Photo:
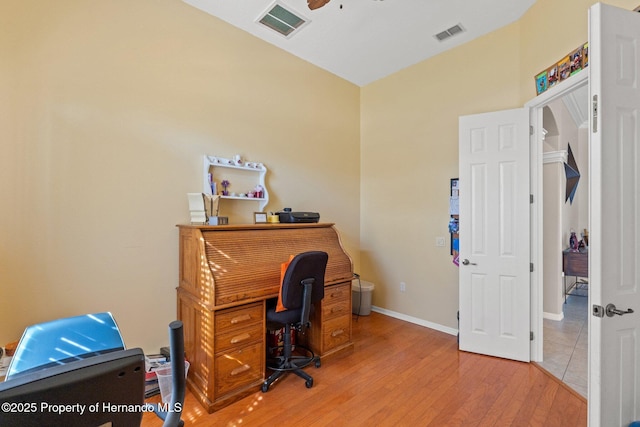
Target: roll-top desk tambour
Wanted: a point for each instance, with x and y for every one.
(226, 275)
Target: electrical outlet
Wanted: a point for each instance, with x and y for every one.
(440, 241)
(403, 287)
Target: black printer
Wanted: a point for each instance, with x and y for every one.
(287, 216)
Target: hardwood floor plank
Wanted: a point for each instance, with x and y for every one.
(478, 404)
(402, 374)
(541, 395)
(401, 406)
(471, 378)
(563, 408)
(540, 416)
(581, 419)
(514, 379)
(519, 397)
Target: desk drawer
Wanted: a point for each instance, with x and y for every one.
(336, 301)
(238, 368)
(238, 337)
(232, 319)
(337, 293)
(336, 332)
(340, 308)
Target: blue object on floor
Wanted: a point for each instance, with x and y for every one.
(64, 340)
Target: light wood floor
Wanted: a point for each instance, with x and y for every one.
(402, 374)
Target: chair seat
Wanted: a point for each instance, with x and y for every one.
(288, 316)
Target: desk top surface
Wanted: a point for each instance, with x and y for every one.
(269, 226)
(583, 251)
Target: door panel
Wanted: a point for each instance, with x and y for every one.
(494, 234)
(478, 217)
(614, 362)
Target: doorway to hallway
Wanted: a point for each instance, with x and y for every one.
(566, 344)
(565, 317)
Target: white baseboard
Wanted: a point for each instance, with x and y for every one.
(553, 316)
(411, 319)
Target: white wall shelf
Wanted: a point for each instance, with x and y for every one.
(244, 176)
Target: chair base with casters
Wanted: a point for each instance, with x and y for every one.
(289, 362)
(302, 286)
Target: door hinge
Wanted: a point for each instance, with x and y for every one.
(598, 310)
(531, 336)
(531, 198)
(530, 267)
(530, 130)
(595, 113)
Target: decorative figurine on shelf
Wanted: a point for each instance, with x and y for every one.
(225, 184)
(585, 237)
(213, 185)
(259, 191)
(573, 241)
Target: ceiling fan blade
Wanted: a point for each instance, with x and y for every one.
(316, 4)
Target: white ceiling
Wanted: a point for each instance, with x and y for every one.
(365, 40)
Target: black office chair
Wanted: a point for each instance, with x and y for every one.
(302, 286)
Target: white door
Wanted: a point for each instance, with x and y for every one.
(494, 234)
(614, 253)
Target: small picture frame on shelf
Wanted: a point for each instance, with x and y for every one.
(576, 61)
(541, 82)
(259, 217)
(564, 68)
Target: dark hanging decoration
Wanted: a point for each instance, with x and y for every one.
(573, 176)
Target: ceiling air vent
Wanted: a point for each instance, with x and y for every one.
(282, 19)
(449, 32)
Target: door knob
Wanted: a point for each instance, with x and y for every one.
(611, 310)
(467, 262)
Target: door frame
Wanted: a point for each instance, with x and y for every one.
(536, 136)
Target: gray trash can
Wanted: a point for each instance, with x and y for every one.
(361, 292)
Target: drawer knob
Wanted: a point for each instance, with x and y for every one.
(240, 370)
(240, 338)
(242, 318)
(337, 332)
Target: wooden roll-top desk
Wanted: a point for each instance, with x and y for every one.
(226, 275)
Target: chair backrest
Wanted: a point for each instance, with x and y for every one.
(307, 265)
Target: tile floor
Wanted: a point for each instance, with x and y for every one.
(565, 342)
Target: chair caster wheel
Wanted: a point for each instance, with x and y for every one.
(318, 363)
(309, 383)
(265, 387)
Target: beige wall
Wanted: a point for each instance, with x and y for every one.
(409, 153)
(553, 239)
(409, 149)
(107, 109)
